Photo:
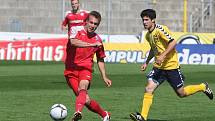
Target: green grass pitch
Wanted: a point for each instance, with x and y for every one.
(29, 89)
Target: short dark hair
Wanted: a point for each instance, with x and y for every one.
(95, 14)
(149, 13)
(73, 0)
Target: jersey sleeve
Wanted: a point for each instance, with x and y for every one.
(65, 21)
(100, 53)
(165, 34)
(85, 11)
(85, 14)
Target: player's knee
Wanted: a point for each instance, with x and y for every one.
(149, 89)
(83, 84)
(87, 100)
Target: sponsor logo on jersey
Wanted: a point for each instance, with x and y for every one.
(76, 21)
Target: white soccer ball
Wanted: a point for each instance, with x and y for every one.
(58, 112)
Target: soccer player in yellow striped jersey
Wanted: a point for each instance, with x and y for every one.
(165, 66)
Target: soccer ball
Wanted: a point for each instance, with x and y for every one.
(58, 112)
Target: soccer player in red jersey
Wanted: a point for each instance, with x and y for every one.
(74, 19)
(78, 66)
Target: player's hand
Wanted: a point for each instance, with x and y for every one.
(108, 82)
(160, 59)
(143, 67)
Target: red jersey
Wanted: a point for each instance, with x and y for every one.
(75, 22)
(83, 56)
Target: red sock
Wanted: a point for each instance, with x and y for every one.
(80, 100)
(95, 107)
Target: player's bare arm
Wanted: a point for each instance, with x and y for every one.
(144, 66)
(80, 43)
(163, 55)
(101, 65)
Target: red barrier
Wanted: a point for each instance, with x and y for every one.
(36, 50)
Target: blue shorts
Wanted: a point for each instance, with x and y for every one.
(174, 77)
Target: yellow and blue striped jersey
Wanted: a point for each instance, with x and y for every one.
(158, 40)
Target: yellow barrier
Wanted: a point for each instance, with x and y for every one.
(126, 53)
(188, 38)
(203, 38)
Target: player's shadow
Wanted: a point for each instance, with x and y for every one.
(156, 120)
(147, 120)
(57, 82)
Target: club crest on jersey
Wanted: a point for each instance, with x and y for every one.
(96, 38)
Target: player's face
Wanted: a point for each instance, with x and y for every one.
(147, 22)
(75, 5)
(92, 24)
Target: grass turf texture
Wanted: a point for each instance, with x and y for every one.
(29, 89)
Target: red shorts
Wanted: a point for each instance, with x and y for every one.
(75, 75)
